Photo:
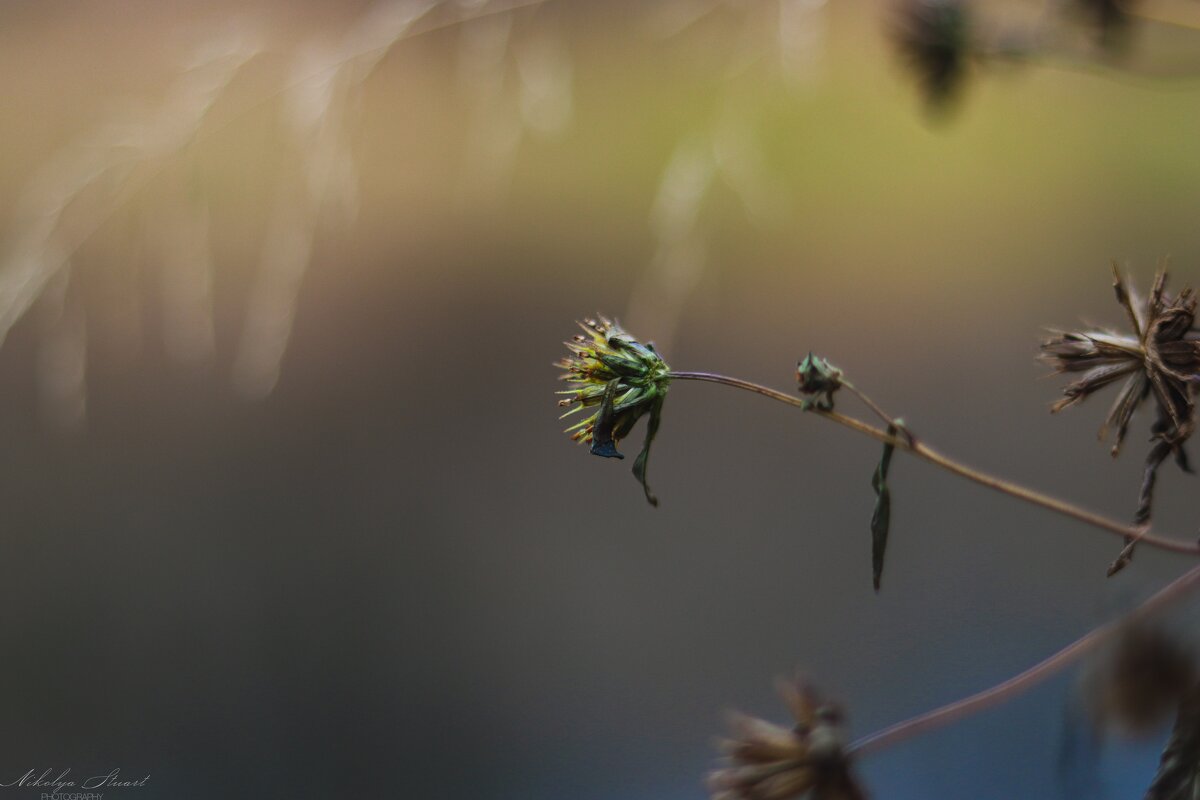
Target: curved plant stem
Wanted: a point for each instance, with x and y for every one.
(1001, 692)
(960, 709)
(921, 450)
(887, 418)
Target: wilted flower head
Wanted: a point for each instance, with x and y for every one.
(770, 762)
(934, 37)
(623, 380)
(1156, 357)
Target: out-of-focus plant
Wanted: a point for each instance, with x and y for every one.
(942, 43)
(624, 380)
(765, 761)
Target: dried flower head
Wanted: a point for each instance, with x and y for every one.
(1158, 358)
(934, 38)
(771, 762)
(623, 380)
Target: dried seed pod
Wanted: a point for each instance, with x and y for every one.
(770, 762)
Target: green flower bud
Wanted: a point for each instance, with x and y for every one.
(818, 380)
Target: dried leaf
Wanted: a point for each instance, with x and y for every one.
(639, 463)
(603, 443)
(882, 517)
(1178, 776)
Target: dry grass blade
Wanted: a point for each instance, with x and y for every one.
(74, 194)
(325, 87)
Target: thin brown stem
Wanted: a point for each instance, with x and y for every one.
(960, 709)
(887, 418)
(921, 450)
(1070, 654)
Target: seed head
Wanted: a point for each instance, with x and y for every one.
(1156, 358)
(622, 379)
(770, 762)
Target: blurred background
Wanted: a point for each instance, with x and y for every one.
(288, 511)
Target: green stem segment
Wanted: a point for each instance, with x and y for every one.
(918, 448)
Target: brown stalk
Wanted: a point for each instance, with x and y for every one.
(960, 709)
(918, 448)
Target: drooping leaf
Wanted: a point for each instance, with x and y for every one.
(602, 437)
(882, 516)
(1178, 776)
(639, 463)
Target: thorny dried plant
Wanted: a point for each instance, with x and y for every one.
(766, 761)
(624, 379)
(1157, 358)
